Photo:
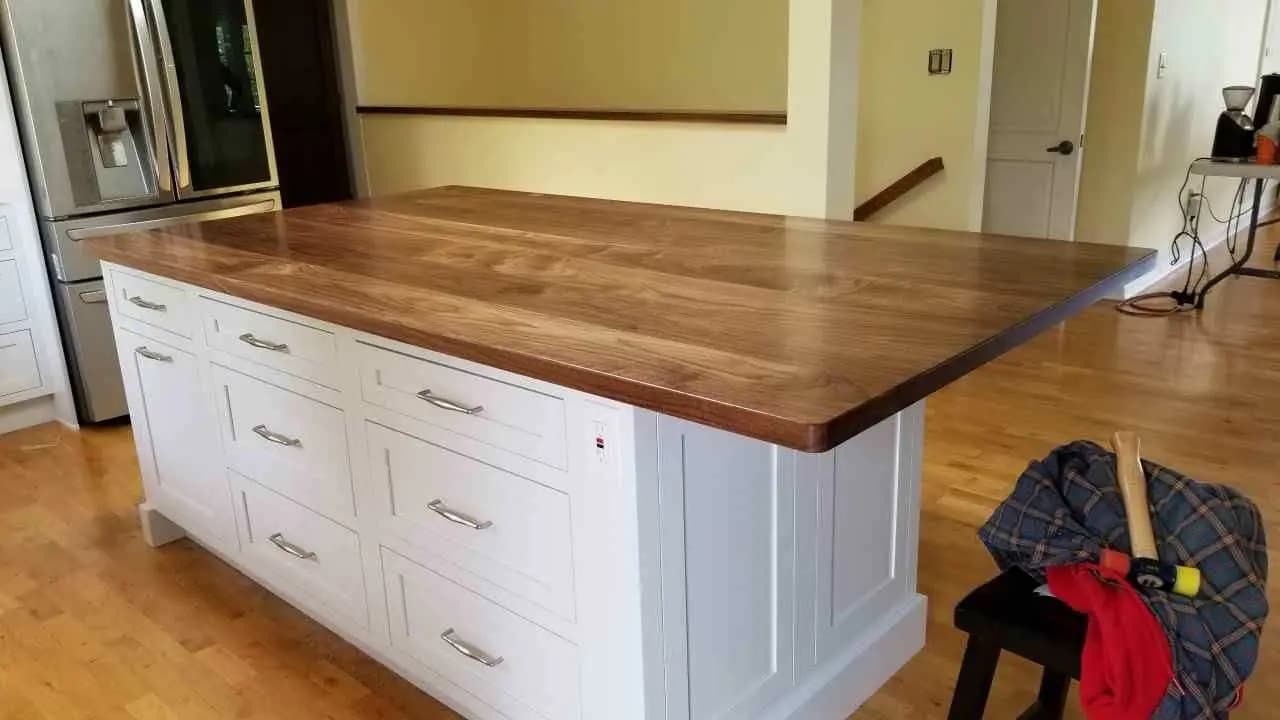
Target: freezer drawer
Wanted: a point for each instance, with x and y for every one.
(90, 349)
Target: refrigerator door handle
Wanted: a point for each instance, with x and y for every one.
(144, 45)
(177, 121)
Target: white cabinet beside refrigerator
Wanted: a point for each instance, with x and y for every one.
(33, 384)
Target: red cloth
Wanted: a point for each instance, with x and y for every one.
(1126, 666)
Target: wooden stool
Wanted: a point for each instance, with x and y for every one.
(1006, 614)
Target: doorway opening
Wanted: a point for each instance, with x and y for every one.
(1039, 91)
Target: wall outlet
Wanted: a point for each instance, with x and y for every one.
(1193, 203)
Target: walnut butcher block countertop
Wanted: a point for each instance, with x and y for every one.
(797, 331)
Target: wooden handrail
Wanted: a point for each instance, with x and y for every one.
(686, 116)
(906, 184)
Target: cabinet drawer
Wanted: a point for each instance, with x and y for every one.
(152, 302)
(6, 241)
(310, 556)
(294, 348)
(287, 442)
(504, 528)
(518, 667)
(12, 306)
(18, 369)
(526, 422)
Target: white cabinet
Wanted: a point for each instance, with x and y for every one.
(728, 571)
(12, 307)
(521, 551)
(176, 436)
(18, 369)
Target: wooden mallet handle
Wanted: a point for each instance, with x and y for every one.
(1133, 488)
(1145, 569)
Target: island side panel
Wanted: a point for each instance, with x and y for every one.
(787, 580)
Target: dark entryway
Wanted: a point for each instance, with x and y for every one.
(300, 72)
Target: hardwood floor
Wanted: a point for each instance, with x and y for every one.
(95, 625)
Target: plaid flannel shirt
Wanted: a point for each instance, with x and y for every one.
(1066, 508)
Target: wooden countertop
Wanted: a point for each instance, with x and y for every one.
(797, 331)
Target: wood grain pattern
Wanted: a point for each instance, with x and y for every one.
(900, 187)
(94, 625)
(695, 116)
(797, 331)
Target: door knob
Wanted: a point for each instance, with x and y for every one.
(1066, 147)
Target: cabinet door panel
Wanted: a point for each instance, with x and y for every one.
(184, 444)
(728, 574)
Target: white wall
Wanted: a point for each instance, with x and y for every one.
(801, 169)
(907, 116)
(1210, 44)
(1142, 130)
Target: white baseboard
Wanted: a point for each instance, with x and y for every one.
(1162, 271)
(853, 676)
(27, 413)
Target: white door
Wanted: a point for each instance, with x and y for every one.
(1038, 90)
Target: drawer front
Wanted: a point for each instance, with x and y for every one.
(12, 306)
(309, 555)
(291, 347)
(18, 369)
(154, 303)
(504, 528)
(6, 240)
(287, 442)
(518, 667)
(526, 422)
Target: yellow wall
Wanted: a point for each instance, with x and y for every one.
(666, 54)
(1113, 125)
(907, 116)
(802, 168)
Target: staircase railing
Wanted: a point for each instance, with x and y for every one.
(902, 186)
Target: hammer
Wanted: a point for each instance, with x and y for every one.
(1144, 569)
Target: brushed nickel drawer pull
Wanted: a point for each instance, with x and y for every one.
(147, 304)
(466, 649)
(149, 354)
(275, 437)
(445, 404)
(249, 339)
(438, 507)
(294, 550)
(10, 345)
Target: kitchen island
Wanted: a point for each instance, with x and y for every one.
(554, 457)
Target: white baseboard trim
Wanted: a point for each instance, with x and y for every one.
(1163, 271)
(864, 667)
(27, 413)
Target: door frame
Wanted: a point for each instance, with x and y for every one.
(986, 85)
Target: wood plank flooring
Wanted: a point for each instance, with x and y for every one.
(96, 626)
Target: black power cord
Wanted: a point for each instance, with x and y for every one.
(1157, 304)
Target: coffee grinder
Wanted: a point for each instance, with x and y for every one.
(1233, 142)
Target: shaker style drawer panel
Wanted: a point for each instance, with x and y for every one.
(154, 303)
(526, 422)
(12, 306)
(524, 671)
(289, 443)
(291, 347)
(308, 555)
(18, 369)
(501, 527)
(6, 240)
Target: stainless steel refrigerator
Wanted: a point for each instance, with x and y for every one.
(134, 114)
